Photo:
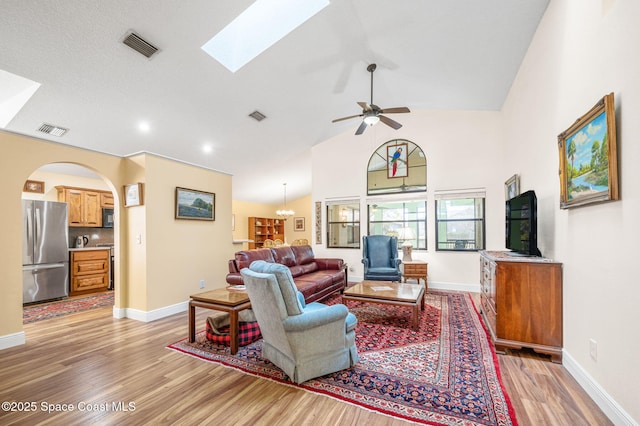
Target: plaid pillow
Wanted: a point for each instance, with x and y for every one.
(248, 332)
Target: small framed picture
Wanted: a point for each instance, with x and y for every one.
(298, 223)
(512, 187)
(133, 195)
(193, 204)
(34, 186)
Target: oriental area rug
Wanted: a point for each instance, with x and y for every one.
(446, 373)
(44, 311)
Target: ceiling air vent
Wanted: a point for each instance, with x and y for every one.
(50, 129)
(140, 45)
(257, 115)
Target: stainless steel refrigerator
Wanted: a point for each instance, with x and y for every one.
(45, 251)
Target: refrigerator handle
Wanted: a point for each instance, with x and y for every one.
(36, 232)
(29, 225)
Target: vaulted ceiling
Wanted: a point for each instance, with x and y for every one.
(431, 54)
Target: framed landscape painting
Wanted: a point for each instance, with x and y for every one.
(588, 157)
(197, 205)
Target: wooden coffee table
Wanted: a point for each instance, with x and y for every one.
(389, 293)
(220, 300)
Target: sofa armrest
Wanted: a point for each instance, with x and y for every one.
(329, 263)
(233, 266)
(235, 278)
(316, 318)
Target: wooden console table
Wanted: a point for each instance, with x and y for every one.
(415, 269)
(223, 300)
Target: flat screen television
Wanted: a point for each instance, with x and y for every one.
(522, 224)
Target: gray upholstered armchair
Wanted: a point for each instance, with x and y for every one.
(380, 258)
(305, 341)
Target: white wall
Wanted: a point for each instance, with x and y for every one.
(583, 50)
(463, 149)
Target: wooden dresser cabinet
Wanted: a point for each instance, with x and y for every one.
(521, 302)
(89, 271)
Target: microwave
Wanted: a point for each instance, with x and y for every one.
(107, 218)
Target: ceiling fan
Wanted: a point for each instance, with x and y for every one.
(372, 112)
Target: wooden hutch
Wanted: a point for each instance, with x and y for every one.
(263, 228)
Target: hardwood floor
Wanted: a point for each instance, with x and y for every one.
(114, 371)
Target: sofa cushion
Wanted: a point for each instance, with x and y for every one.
(246, 257)
(296, 271)
(303, 254)
(283, 255)
(309, 267)
(285, 281)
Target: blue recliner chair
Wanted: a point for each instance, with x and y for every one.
(380, 258)
(305, 341)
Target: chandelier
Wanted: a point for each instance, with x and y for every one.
(285, 213)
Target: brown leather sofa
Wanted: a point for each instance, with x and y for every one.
(315, 278)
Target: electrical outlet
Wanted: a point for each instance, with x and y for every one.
(201, 283)
(352, 269)
(593, 349)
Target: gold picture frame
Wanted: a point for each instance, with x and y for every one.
(195, 205)
(589, 157)
(34, 186)
(133, 195)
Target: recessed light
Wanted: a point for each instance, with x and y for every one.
(259, 27)
(207, 148)
(144, 127)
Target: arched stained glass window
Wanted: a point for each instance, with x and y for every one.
(397, 166)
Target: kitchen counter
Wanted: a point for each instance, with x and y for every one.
(89, 248)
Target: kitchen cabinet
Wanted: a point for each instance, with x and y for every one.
(85, 205)
(106, 200)
(90, 271)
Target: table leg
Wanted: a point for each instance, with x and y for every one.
(416, 317)
(192, 323)
(233, 330)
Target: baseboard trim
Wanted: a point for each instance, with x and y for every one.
(607, 404)
(10, 340)
(435, 285)
(471, 288)
(148, 316)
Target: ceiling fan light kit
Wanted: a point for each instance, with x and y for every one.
(372, 113)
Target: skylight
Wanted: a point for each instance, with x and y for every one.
(259, 27)
(15, 91)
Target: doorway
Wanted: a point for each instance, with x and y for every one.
(89, 237)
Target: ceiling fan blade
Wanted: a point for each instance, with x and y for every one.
(361, 129)
(365, 106)
(389, 122)
(394, 110)
(346, 118)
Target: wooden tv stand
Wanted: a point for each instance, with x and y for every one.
(521, 302)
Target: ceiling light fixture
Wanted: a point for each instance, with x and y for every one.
(371, 119)
(285, 213)
(259, 27)
(144, 127)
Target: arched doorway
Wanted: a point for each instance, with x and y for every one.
(89, 239)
